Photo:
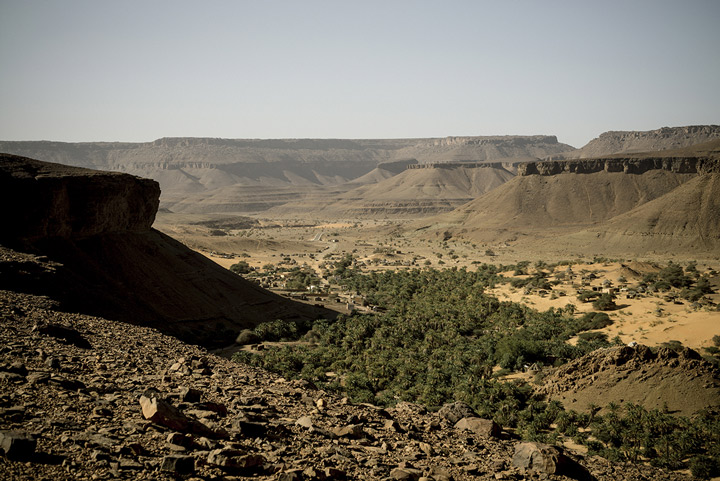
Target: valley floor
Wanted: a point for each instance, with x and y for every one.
(650, 319)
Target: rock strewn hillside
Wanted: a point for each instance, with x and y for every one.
(683, 382)
(84, 398)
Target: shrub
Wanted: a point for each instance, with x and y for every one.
(241, 267)
(586, 296)
(593, 320)
(593, 336)
(605, 302)
(247, 336)
(278, 330)
(704, 467)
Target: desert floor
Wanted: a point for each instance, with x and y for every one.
(650, 320)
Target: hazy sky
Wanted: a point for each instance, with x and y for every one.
(139, 70)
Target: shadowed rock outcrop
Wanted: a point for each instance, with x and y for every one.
(48, 200)
(94, 229)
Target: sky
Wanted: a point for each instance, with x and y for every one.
(135, 71)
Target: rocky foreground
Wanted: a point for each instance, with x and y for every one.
(86, 398)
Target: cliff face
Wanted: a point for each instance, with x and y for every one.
(680, 165)
(52, 200)
(103, 258)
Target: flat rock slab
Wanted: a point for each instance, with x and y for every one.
(480, 426)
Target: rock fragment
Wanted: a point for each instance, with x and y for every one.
(235, 459)
(454, 412)
(161, 412)
(17, 445)
(480, 426)
(352, 431)
(291, 475)
(305, 421)
(539, 457)
(405, 474)
(178, 464)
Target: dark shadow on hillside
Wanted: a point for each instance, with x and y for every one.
(574, 470)
(148, 278)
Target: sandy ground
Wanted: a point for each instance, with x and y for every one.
(638, 319)
(382, 245)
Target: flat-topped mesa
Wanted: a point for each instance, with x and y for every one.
(665, 138)
(457, 165)
(695, 133)
(514, 140)
(46, 200)
(680, 165)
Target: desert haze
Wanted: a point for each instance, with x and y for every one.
(470, 307)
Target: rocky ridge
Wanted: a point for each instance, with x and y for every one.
(682, 381)
(88, 398)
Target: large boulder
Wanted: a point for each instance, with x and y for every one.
(539, 457)
(454, 412)
(483, 427)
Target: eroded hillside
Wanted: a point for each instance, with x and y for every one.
(648, 202)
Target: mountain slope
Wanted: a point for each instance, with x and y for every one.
(542, 204)
(656, 202)
(93, 228)
(687, 218)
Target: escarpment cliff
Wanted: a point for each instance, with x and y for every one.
(45, 200)
(100, 256)
(627, 165)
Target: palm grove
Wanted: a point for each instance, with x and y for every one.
(436, 337)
